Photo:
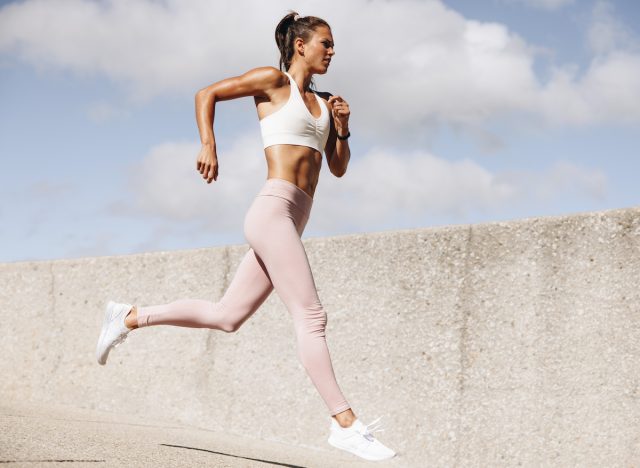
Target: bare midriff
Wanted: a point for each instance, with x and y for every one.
(300, 165)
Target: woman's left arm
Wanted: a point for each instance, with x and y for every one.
(338, 150)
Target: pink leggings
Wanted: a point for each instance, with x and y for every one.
(276, 259)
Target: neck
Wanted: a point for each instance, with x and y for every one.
(305, 78)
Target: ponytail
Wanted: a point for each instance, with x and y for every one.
(291, 26)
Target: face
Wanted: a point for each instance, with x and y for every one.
(318, 50)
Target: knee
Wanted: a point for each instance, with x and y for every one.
(314, 322)
(228, 317)
(229, 326)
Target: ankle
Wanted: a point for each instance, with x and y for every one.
(345, 418)
(131, 320)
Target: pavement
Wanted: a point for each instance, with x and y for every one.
(39, 434)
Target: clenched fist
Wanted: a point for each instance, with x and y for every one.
(207, 163)
(340, 112)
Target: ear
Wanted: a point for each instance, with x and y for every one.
(298, 44)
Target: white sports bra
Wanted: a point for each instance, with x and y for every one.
(293, 124)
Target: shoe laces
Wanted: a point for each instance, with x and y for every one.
(370, 428)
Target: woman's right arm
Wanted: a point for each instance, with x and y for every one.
(256, 82)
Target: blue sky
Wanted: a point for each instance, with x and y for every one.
(462, 112)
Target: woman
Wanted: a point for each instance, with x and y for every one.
(296, 125)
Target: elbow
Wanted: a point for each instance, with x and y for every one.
(337, 169)
(203, 95)
(198, 99)
(339, 173)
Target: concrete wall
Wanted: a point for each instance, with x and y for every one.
(499, 344)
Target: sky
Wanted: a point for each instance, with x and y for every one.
(462, 112)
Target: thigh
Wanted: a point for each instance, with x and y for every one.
(273, 229)
(248, 289)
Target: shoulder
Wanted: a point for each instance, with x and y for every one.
(271, 77)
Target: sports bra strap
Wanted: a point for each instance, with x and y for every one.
(292, 82)
(295, 85)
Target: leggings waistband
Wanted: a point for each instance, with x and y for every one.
(288, 190)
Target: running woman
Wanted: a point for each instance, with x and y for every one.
(297, 125)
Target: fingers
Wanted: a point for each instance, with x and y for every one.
(333, 99)
(209, 171)
(338, 103)
(213, 175)
(341, 109)
(203, 168)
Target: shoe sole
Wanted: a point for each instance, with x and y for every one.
(356, 452)
(105, 325)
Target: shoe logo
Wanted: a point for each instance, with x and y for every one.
(368, 436)
(115, 311)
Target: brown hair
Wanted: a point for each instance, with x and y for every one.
(289, 28)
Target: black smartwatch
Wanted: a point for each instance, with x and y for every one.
(343, 137)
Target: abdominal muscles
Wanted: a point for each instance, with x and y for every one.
(298, 164)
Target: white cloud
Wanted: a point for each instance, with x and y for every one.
(565, 177)
(555, 183)
(150, 47)
(432, 66)
(385, 187)
(382, 189)
(608, 33)
(166, 185)
(608, 92)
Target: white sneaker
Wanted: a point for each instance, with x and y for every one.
(114, 331)
(358, 439)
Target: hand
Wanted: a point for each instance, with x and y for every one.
(207, 163)
(340, 111)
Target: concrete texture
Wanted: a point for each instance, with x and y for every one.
(43, 435)
(499, 344)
